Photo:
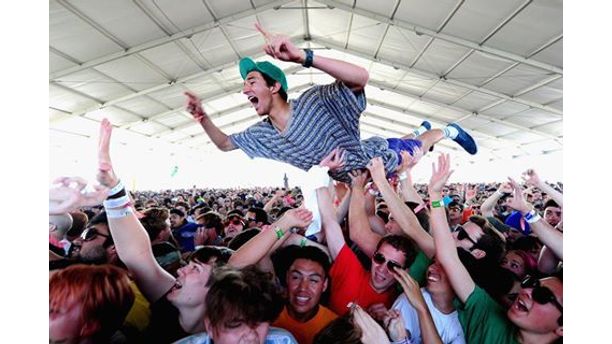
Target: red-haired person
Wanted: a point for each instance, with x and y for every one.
(88, 303)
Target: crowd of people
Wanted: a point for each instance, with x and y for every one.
(392, 262)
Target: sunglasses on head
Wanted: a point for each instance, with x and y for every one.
(462, 234)
(379, 258)
(91, 233)
(541, 294)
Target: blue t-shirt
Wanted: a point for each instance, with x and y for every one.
(323, 118)
(275, 336)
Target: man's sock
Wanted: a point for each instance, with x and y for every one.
(420, 130)
(450, 132)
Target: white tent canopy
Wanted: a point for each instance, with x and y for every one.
(494, 66)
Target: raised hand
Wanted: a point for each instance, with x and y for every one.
(409, 161)
(358, 178)
(106, 176)
(505, 188)
(377, 169)
(517, 201)
(411, 288)
(299, 217)
(70, 195)
(440, 176)
(194, 107)
(394, 323)
(530, 177)
(371, 332)
(334, 160)
(280, 46)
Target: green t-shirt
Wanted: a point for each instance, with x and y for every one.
(484, 321)
(418, 269)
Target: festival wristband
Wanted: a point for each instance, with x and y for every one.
(114, 203)
(437, 204)
(303, 242)
(116, 189)
(279, 232)
(532, 216)
(118, 213)
(308, 58)
(403, 176)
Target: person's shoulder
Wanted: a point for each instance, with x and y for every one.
(279, 336)
(198, 338)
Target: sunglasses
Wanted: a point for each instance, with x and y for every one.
(462, 234)
(91, 233)
(234, 221)
(541, 294)
(379, 258)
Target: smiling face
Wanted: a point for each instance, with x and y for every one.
(306, 281)
(258, 92)
(190, 288)
(380, 276)
(531, 316)
(437, 281)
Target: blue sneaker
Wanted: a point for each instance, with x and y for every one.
(464, 139)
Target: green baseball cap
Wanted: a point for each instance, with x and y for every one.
(247, 65)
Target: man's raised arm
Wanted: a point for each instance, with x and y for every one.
(280, 47)
(131, 240)
(194, 107)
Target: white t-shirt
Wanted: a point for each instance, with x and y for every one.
(448, 325)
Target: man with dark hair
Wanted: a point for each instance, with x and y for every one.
(96, 245)
(553, 214)
(182, 230)
(320, 121)
(256, 217)
(306, 280)
(211, 228)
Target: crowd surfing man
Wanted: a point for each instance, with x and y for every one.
(303, 131)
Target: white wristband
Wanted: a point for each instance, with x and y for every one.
(118, 213)
(116, 202)
(403, 176)
(116, 188)
(499, 192)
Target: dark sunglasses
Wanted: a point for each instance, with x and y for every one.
(91, 233)
(380, 259)
(541, 294)
(462, 234)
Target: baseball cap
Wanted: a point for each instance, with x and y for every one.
(247, 65)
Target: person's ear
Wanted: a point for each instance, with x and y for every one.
(478, 253)
(276, 87)
(559, 331)
(209, 328)
(325, 284)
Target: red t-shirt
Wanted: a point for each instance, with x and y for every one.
(350, 282)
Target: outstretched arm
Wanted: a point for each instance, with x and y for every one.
(549, 236)
(359, 226)
(531, 177)
(131, 239)
(446, 250)
(404, 171)
(194, 107)
(489, 204)
(403, 215)
(261, 244)
(280, 47)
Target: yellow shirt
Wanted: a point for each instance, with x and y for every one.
(139, 314)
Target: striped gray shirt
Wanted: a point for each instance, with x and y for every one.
(323, 118)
